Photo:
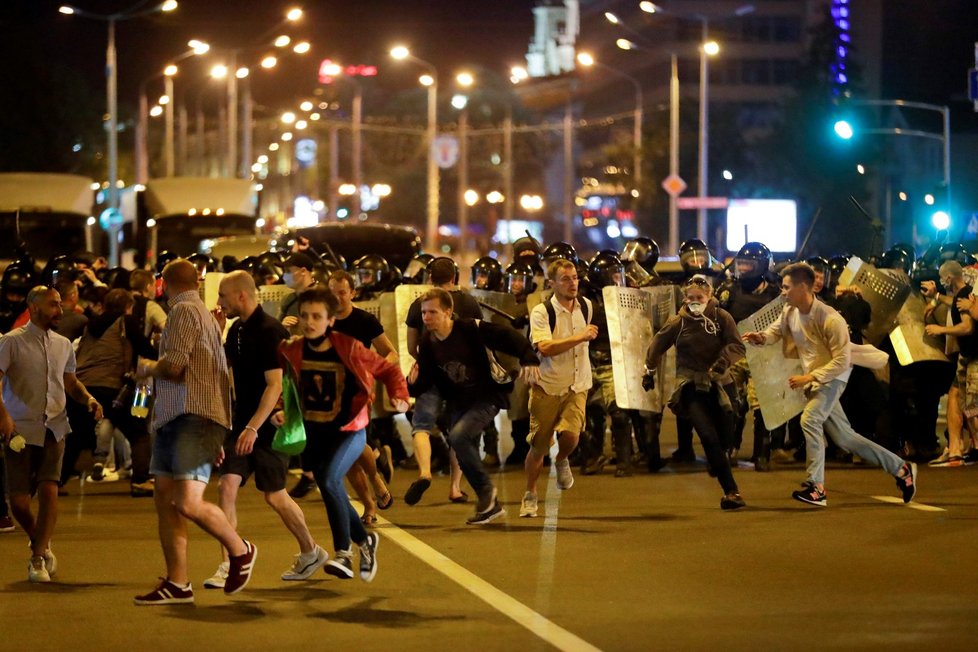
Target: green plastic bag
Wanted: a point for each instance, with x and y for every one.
(290, 437)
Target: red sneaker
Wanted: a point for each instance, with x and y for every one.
(166, 593)
(239, 572)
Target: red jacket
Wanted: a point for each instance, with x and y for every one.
(362, 362)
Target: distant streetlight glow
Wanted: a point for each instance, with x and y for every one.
(199, 47)
(263, 159)
(288, 117)
(306, 106)
(531, 202)
(612, 18)
(648, 7)
(347, 189)
(169, 5)
(426, 80)
(465, 79)
(471, 197)
(66, 10)
(728, 175)
(712, 48)
(400, 52)
(164, 100)
(282, 41)
(903, 196)
(220, 71)
(585, 59)
(170, 70)
(625, 44)
(287, 136)
(843, 129)
(495, 197)
(860, 168)
(156, 111)
(929, 199)
(301, 124)
(941, 220)
(302, 47)
(241, 73)
(273, 147)
(294, 14)
(269, 62)
(459, 101)
(314, 116)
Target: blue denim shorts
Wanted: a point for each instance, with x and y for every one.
(426, 409)
(186, 447)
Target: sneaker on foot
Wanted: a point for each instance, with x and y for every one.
(302, 487)
(37, 570)
(50, 561)
(239, 569)
(98, 472)
(6, 524)
(368, 557)
(220, 576)
(529, 506)
(306, 564)
(732, 501)
(416, 490)
(494, 511)
(166, 593)
(565, 478)
(908, 483)
(811, 495)
(341, 565)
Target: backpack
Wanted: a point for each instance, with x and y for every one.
(552, 313)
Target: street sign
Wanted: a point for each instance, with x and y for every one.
(445, 151)
(674, 185)
(702, 202)
(110, 217)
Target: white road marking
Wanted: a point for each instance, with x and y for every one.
(899, 501)
(502, 602)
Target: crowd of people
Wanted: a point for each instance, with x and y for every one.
(220, 384)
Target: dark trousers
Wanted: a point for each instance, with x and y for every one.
(713, 425)
(467, 426)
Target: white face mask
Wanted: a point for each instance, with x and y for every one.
(696, 308)
(288, 279)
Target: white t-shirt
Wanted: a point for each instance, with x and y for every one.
(813, 352)
(567, 371)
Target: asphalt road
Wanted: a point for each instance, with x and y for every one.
(639, 563)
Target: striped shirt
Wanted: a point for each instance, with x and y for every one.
(27, 355)
(192, 340)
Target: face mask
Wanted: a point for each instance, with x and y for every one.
(288, 278)
(696, 308)
(316, 341)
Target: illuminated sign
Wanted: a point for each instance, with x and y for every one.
(771, 221)
(330, 70)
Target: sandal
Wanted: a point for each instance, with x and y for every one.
(462, 498)
(369, 520)
(385, 501)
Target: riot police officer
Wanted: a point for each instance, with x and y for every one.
(487, 274)
(640, 256)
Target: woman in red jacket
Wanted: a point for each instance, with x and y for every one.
(335, 375)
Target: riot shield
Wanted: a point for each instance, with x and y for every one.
(493, 303)
(209, 289)
(271, 297)
(404, 296)
(910, 343)
(770, 370)
(884, 292)
(665, 304)
(630, 314)
(376, 307)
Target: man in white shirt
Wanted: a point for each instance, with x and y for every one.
(557, 401)
(816, 333)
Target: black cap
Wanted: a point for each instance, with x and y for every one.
(300, 259)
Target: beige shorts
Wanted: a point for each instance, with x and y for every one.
(966, 380)
(550, 414)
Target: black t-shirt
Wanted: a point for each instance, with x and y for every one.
(252, 349)
(459, 362)
(466, 307)
(360, 325)
(328, 388)
(967, 343)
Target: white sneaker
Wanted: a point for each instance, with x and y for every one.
(220, 576)
(528, 508)
(37, 571)
(565, 479)
(107, 476)
(306, 564)
(50, 561)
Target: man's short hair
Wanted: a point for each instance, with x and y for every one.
(557, 265)
(442, 271)
(241, 281)
(320, 294)
(181, 274)
(443, 298)
(37, 293)
(951, 268)
(140, 278)
(800, 273)
(117, 301)
(299, 259)
(340, 275)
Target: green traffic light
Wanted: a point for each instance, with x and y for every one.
(843, 129)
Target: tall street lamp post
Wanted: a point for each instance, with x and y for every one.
(112, 118)
(431, 81)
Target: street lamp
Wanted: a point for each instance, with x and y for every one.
(587, 60)
(401, 53)
(112, 98)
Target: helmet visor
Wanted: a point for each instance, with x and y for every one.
(695, 259)
(636, 275)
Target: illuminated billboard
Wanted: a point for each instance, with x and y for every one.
(771, 221)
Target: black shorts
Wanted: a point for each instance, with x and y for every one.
(270, 467)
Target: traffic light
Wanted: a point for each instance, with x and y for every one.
(843, 129)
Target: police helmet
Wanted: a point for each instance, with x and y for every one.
(163, 259)
(520, 278)
(753, 261)
(414, 272)
(370, 271)
(17, 279)
(897, 257)
(641, 250)
(56, 269)
(556, 251)
(606, 269)
(695, 256)
(487, 274)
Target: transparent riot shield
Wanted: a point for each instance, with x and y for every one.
(631, 315)
(404, 296)
(910, 343)
(271, 297)
(770, 370)
(376, 307)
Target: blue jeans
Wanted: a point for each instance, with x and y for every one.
(185, 448)
(329, 457)
(426, 408)
(464, 435)
(823, 413)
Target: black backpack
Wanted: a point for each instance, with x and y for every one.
(552, 313)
